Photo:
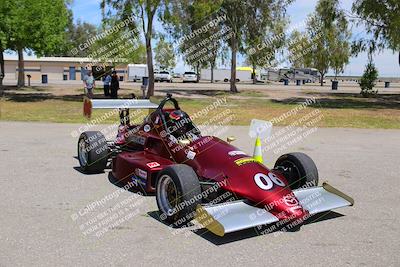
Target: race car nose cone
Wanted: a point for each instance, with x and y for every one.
(289, 209)
(292, 217)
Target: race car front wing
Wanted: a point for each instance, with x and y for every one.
(238, 215)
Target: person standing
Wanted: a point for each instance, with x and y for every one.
(114, 85)
(107, 81)
(89, 83)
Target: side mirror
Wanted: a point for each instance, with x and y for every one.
(184, 142)
(230, 139)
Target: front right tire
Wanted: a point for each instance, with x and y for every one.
(298, 169)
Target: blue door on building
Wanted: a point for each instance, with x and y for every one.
(83, 73)
(72, 73)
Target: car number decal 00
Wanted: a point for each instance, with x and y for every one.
(266, 182)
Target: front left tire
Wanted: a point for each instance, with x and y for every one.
(178, 193)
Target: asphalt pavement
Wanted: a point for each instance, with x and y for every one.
(53, 215)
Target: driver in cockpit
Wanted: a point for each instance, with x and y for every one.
(180, 126)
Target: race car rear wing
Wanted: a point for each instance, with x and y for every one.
(123, 104)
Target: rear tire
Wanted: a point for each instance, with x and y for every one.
(298, 169)
(93, 152)
(178, 193)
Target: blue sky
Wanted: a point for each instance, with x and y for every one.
(386, 62)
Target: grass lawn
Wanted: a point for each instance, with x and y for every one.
(343, 112)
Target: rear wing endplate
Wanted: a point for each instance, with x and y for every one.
(89, 104)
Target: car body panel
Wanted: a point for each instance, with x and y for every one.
(130, 166)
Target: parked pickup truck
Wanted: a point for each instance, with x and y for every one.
(162, 76)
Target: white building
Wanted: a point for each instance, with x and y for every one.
(58, 69)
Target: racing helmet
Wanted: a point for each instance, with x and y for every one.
(179, 123)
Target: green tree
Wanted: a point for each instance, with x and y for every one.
(381, 19)
(264, 33)
(320, 55)
(340, 48)
(5, 30)
(205, 12)
(117, 46)
(38, 26)
(299, 47)
(327, 27)
(144, 11)
(245, 16)
(368, 80)
(235, 11)
(184, 20)
(164, 54)
(76, 35)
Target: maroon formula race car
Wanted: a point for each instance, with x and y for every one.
(203, 177)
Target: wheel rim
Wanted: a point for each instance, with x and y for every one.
(83, 153)
(167, 195)
(293, 172)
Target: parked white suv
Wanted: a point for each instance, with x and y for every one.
(190, 76)
(162, 76)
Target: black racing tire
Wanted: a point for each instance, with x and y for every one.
(93, 152)
(298, 169)
(178, 193)
(226, 80)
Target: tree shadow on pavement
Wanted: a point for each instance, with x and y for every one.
(38, 97)
(202, 92)
(347, 100)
